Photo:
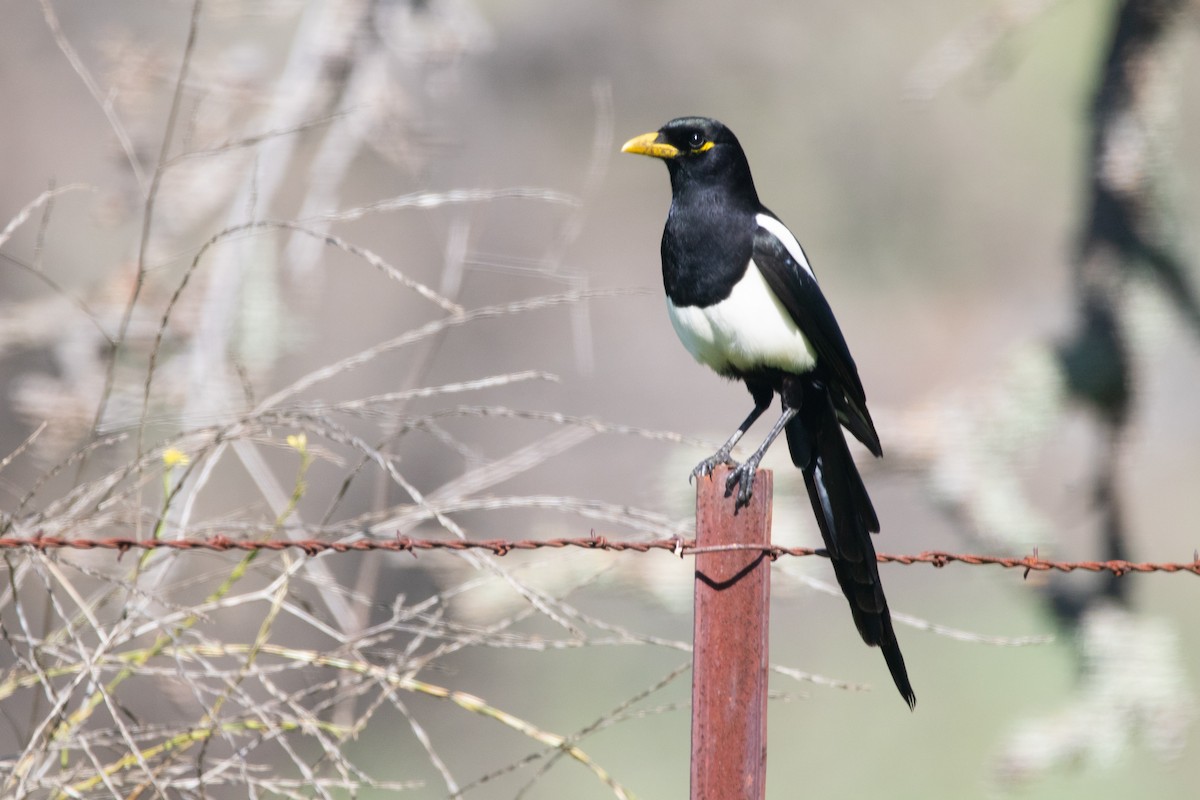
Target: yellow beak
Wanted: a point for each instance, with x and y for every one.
(648, 145)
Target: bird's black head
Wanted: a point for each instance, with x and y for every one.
(700, 153)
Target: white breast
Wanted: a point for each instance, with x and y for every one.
(750, 329)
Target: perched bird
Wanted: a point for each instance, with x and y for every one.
(744, 300)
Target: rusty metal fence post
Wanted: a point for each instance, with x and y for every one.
(729, 662)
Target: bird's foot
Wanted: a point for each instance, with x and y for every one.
(706, 467)
(742, 477)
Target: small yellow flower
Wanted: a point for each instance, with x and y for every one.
(298, 442)
(174, 458)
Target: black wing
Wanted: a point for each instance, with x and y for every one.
(797, 289)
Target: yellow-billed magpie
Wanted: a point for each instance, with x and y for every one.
(744, 300)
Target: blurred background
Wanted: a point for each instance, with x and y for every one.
(225, 224)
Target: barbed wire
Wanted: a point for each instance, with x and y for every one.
(500, 547)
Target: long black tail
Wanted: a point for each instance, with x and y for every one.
(847, 519)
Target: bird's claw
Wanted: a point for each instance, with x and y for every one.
(706, 467)
(741, 477)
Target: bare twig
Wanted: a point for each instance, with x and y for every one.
(85, 75)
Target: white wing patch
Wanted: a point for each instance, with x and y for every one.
(749, 329)
(780, 232)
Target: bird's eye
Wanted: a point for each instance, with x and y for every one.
(696, 140)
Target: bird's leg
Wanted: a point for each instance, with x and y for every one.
(722, 456)
(742, 475)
